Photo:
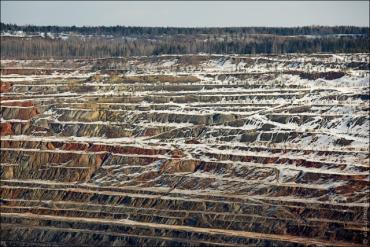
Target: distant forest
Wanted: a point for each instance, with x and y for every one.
(120, 41)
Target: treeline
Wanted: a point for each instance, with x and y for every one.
(95, 42)
(76, 47)
(158, 31)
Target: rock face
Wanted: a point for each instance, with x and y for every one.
(224, 152)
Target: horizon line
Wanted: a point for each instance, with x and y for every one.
(194, 27)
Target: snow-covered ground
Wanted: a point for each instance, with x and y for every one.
(249, 111)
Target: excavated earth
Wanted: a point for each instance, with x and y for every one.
(199, 150)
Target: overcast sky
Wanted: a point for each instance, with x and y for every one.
(187, 14)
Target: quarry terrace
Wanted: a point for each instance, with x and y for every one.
(186, 150)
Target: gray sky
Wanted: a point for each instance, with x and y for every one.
(187, 14)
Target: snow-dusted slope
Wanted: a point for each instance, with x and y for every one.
(186, 151)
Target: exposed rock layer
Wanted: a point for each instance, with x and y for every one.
(266, 151)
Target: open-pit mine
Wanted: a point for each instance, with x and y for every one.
(186, 150)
